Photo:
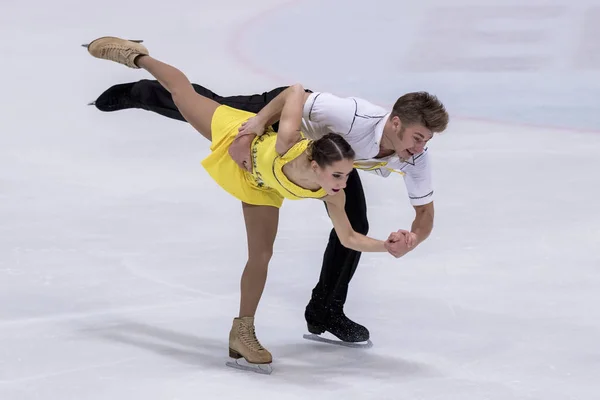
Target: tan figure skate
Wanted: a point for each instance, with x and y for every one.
(243, 344)
(118, 50)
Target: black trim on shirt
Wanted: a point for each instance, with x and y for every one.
(370, 116)
(356, 114)
(312, 105)
(421, 197)
(353, 118)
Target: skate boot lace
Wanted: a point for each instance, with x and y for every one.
(248, 337)
(115, 52)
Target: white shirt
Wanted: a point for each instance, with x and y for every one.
(361, 124)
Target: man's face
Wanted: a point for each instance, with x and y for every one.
(412, 140)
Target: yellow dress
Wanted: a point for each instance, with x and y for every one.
(266, 185)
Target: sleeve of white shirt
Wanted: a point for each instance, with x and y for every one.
(417, 179)
(328, 110)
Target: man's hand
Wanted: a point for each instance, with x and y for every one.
(253, 126)
(401, 242)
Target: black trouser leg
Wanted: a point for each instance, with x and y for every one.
(339, 262)
(152, 96)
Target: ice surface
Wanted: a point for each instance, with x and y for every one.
(120, 259)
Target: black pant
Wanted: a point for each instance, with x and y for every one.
(152, 96)
(339, 263)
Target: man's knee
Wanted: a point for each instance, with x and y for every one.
(362, 227)
(360, 223)
(356, 206)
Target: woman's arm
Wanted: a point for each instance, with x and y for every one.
(291, 119)
(348, 236)
(398, 243)
(271, 113)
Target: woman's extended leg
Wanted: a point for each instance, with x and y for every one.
(196, 109)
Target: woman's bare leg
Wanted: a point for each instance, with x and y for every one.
(197, 110)
(261, 229)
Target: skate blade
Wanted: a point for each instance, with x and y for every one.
(355, 345)
(86, 45)
(244, 365)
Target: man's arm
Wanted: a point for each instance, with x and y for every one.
(419, 186)
(423, 222)
(420, 230)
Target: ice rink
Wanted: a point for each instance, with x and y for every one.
(120, 258)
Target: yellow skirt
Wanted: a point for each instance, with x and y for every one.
(221, 167)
